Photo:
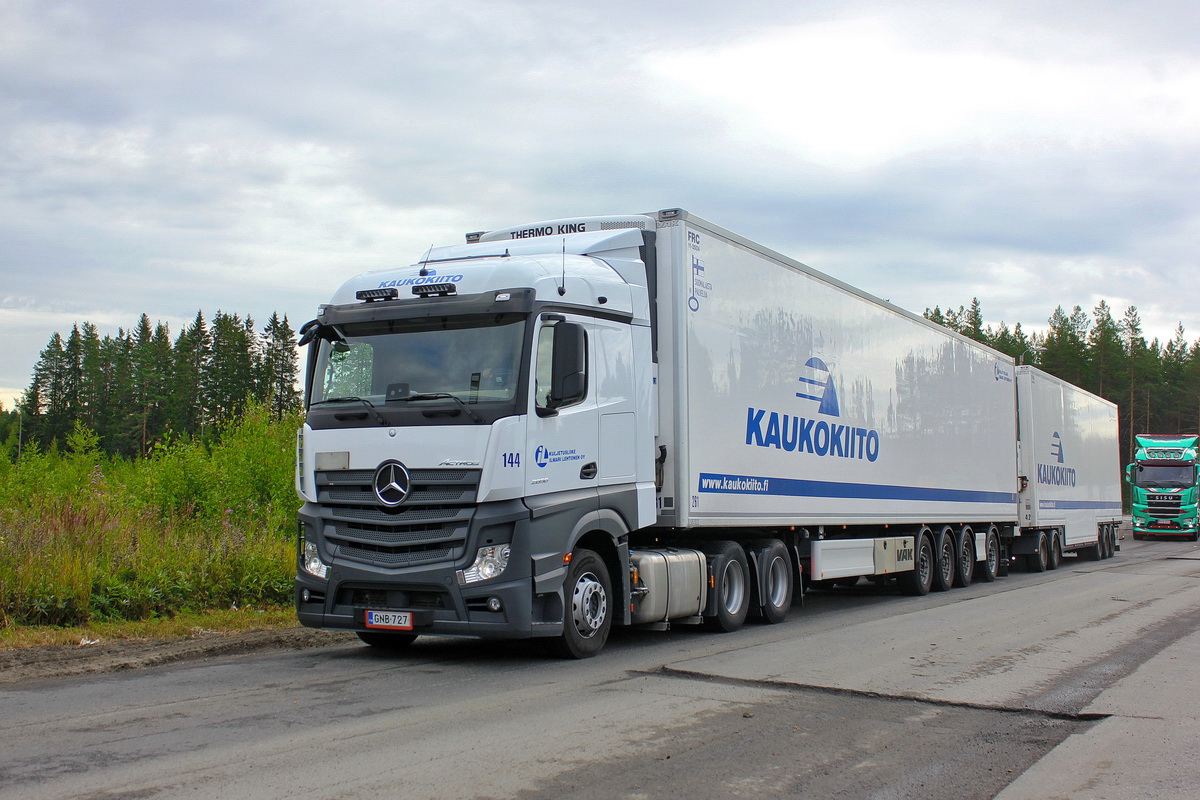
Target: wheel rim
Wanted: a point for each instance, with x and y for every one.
(924, 565)
(993, 552)
(589, 605)
(733, 587)
(777, 579)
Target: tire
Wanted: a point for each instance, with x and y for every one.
(588, 607)
(965, 566)
(730, 586)
(918, 581)
(989, 568)
(945, 565)
(1056, 553)
(776, 585)
(1039, 560)
(387, 641)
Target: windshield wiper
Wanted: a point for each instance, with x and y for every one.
(440, 396)
(370, 406)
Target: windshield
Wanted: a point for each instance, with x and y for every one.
(469, 360)
(1175, 477)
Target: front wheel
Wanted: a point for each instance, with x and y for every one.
(589, 609)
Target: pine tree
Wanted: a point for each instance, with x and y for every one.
(277, 380)
(228, 380)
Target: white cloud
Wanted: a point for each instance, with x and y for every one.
(856, 93)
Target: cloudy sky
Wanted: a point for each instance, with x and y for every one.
(169, 157)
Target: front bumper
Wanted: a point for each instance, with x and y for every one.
(439, 604)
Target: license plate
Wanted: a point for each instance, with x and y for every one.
(393, 620)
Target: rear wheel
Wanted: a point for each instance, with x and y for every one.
(943, 575)
(919, 580)
(1039, 559)
(731, 585)
(990, 566)
(965, 568)
(775, 584)
(589, 609)
(1055, 552)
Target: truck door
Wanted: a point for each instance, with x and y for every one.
(563, 444)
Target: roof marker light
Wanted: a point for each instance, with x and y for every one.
(431, 289)
(371, 295)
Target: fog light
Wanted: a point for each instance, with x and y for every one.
(494, 604)
(312, 562)
(489, 563)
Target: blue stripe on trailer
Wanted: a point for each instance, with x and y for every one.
(713, 483)
(1067, 504)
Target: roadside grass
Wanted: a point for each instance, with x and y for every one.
(194, 527)
(182, 626)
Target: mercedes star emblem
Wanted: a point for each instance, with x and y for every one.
(391, 483)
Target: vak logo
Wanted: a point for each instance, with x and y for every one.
(1053, 474)
(798, 434)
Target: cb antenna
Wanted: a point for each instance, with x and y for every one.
(562, 287)
(425, 261)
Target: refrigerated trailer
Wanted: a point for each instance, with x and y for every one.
(648, 420)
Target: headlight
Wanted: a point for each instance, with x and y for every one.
(489, 563)
(312, 562)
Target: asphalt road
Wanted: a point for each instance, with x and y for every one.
(1073, 683)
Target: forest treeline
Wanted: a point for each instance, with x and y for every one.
(141, 387)
(1156, 384)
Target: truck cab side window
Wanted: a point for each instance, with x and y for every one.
(560, 377)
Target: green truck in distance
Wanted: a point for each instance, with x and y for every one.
(1162, 481)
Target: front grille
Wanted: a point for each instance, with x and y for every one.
(431, 526)
(1163, 506)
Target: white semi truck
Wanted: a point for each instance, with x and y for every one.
(647, 420)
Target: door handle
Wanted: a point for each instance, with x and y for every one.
(588, 472)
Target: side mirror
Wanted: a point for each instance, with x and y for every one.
(568, 372)
(1129, 474)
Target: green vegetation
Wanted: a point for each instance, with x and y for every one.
(88, 537)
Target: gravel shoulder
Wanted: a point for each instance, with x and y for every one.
(40, 663)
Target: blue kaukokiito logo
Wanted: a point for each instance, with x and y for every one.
(822, 381)
(795, 434)
(1056, 448)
